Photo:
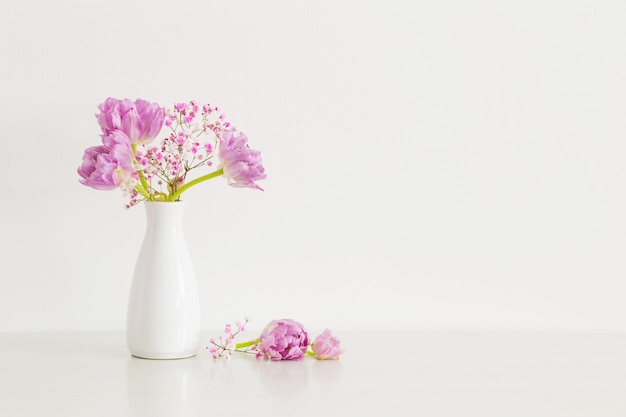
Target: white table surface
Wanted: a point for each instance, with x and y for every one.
(380, 374)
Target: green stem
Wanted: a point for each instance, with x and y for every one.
(142, 178)
(198, 180)
(246, 344)
(308, 352)
(142, 191)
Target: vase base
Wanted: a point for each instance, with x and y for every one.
(163, 359)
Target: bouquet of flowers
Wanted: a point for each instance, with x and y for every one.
(196, 133)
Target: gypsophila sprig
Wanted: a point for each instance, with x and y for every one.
(196, 135)
(284, 339)
(225, 345)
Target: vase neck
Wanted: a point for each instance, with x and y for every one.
(164, 216)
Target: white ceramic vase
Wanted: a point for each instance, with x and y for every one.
(163, 319)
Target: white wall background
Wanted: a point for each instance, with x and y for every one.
(439, 165)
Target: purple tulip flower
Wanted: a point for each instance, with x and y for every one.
(140, 120)
(283, 340)
(105, 167)
(326, 346)
(242, 165)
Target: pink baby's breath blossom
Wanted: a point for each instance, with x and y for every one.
(225, 345)
(212, 351)
(326, 346)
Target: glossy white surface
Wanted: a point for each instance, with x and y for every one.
(381, 374)
(163, 319)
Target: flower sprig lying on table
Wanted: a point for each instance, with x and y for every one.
(196, 133)
(284, 339)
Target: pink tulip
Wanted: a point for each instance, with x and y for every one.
(242, 165)
(98, 169)
(106, 167)
(140, 120)
(283, 340)
(326, 346)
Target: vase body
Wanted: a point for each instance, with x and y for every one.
(163, 319)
